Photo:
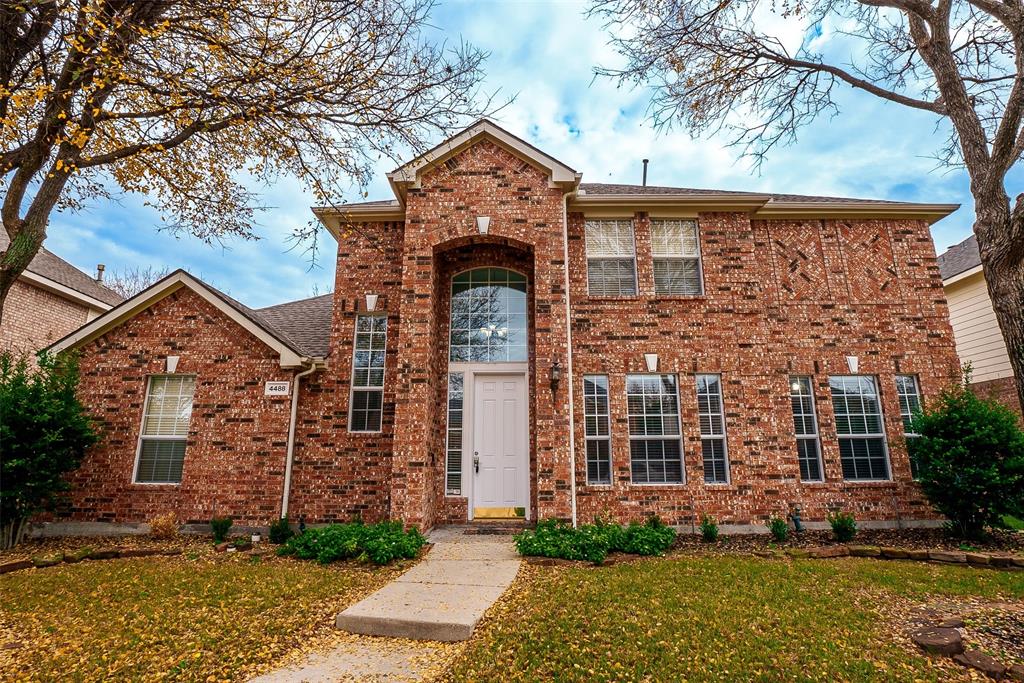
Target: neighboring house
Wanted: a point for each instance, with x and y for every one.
(978, 338)
(50, 299)
(505, 339)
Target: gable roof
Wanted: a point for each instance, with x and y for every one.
(960, 258)
(306, 322)
(56, 271)
(279, 330)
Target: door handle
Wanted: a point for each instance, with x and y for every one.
(476, 461)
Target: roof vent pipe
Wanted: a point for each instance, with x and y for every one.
(645, 172)
(99, 272)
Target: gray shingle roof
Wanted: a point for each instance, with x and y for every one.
(306, 322)
(619, 189)
(53, 267)
(959, 258)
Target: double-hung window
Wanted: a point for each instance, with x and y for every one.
(597, 429)
(165, 422)
(859, 427)
(675, 248)
(611, 258)
(805, 425)
(453, 463)
(910, 403)
(655, 444)
(712, 429)
(367, 404)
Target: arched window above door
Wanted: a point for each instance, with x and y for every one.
(488, 317)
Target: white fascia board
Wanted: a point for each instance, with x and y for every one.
(334, 217)
(123, 312)
(64, 291)
(976, 270)
(853, 209)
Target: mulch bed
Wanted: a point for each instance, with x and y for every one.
(36, 547)
(913, 539)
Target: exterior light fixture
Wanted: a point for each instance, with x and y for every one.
(483, 224)
(371, 302)
(652, 361)
(172, 364)
(853, 363)
(556, 375)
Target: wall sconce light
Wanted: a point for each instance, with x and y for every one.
(172, 364)
(556, 375)
(483, 224)
(652, 361)
(371, 302)
(853, 363)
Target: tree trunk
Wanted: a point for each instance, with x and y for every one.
(1000, 235)
(13, 532)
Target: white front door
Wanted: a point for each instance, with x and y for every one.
(501, 462)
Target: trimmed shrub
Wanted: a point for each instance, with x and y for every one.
(653, 537)
(844, 526)
(163, 526)
(378, 543)
(778, 527)
(220, 527)
(970, 459)
(280, 531)
(708, 529)
(593, 542)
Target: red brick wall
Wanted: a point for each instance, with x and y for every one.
(234, 460)
(35, 318)
(1003, 390)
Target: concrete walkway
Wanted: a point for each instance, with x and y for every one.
(444, 596)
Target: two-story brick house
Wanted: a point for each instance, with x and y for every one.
(506, 338)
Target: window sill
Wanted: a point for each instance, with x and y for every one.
(168, 484)
(869, 482)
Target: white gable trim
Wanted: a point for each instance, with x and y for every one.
(161, 290)
(963, 275)
(64, 291)
(408, 175)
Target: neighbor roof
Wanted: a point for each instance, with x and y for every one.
(960, 258)
(52, 267)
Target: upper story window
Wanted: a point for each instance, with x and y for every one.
(910, 403)
(367, 404)
(611, 258)
(859, 426)
(165, 421)
(675, 248)
(489, 317)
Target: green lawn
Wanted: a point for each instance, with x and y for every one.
(169, 618)
(721, 618)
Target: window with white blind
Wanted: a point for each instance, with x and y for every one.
(675, 248)
(910, 403)
(611, 258)
(859, 426)
(368, 355)
(165, 421)
(597, 429)
(805, 425)
(655, 444)
(712, 429)
(456, 406)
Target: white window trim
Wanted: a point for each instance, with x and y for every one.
(699, 257)
(586, 249)
(142, 427)
(724, 436)
(907, 436)
(608, 437)
(447, 435)
(352, 389)
(881, 422)
(816, 436)
(647, 437)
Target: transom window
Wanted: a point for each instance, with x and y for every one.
(859, 427)
(910, 403)
(805, 424)
(489, 317)
(655, 444)
(712, 429)
(611, 258)
(165, 423)
(368, 356)
(676, 252)
(597, 429)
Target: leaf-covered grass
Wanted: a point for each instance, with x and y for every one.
(716, 618)
(169, 618)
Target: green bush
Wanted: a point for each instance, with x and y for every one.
(280, 531)
(378, 543)
(593, 542)
(970, 459)
(778, 527)
(844, 526)
(653, 537)
(44, 433)
(708, 529)
(220, 527)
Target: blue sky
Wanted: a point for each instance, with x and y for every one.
(543, 54)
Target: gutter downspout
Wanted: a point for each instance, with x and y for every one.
(290, 452)
(568, 369)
